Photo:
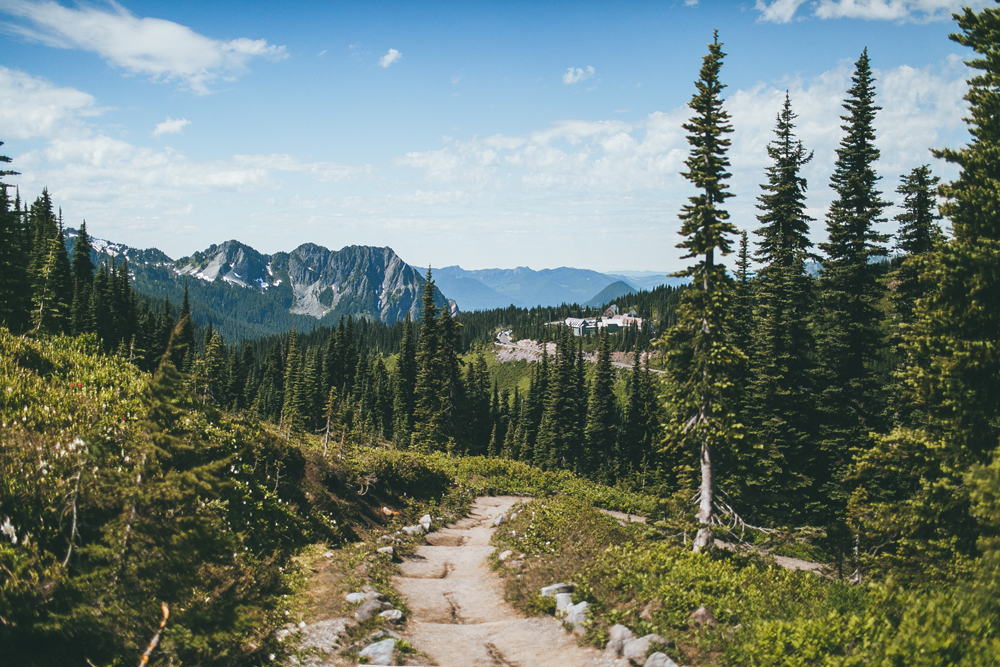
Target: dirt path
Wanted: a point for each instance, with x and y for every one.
(457, 612)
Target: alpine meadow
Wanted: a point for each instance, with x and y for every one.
(784, 452)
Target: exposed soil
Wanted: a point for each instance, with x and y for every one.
(457, 612)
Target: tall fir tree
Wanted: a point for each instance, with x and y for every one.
(13, 248)
(83, 280)
(850, 342)
(919, 231)
(777, 481)
(430, 432)
(405, 384)
(183, 347)
(952, 365)
(601, 430)
(701, 360)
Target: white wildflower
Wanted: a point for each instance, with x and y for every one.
(7, 528)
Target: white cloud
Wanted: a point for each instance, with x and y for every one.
(576, 75)
(778, 11)
(782, 11)
(163, 50)
(171, 126)
(31, 107)
(390, 57)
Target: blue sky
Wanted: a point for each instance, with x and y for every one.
(542, 134)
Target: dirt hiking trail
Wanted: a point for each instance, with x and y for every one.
(457, 612)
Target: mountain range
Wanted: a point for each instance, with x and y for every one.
(248, 294)
(485, 289)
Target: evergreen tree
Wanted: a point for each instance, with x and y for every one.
(777, 480)
(405, 384)
(13, 271)
(952, 372)
(183, 345)
(744, 298)
(701, 361)
(850, 341)
(919, 232)
(431, 410)
(83, 280)
(601, 429)
(292, 417)
(49, 306)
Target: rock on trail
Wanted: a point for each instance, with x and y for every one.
(457, 612)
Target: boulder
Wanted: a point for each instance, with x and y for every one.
(392, 615)
(368, 609)
(499, 519)
(425, 521)
(386, 550)
(505, 555)
(563, 602)
(550, 591)
(380, 653)
(618, 635)
(576, 615)
(414, 530)
(702, 617)
(660, 660)
(635, 650)
(355, 598)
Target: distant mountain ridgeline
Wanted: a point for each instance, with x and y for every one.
(487, 289)
(246, 294)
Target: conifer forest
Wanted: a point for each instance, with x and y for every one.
(837, 402)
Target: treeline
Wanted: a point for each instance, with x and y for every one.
(424, 397)
(861, 401)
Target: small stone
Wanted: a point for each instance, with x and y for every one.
(635, 650)
(563, 602)
(414, 530)
(647, 612)
(386, 550)
(368, 609)
(328, 554)
(660, 660)
(380, 653)
(425, 521)
(702, 617)
(505, 555)
(499, 519)
(515, 564)
(355, 598)
(392, 615)
(550, 591)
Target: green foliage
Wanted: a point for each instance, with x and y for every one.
(116, 497)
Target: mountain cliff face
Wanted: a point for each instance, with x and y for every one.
(356, 280)
(247, 294)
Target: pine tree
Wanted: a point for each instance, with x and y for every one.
(183, 347)
(430, 411)
(601, 429)
(777, 480)
(405, 384)
(952, 371)
(850, 341)
(292, 417)
(744, 298)
(701, 361)
(919, 232)
(83, 280)
(12, 251)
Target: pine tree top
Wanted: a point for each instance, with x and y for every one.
(705, 225)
